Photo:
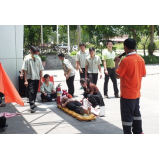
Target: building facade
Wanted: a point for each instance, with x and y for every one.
(11, 50)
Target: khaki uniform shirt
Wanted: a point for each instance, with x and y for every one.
(93, 63)
(81, 57)
(67, 66)
(32, 67)
(47, 89)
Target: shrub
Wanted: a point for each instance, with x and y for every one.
(89, 45)
(73, 53)
(43, 58)
(151, 59)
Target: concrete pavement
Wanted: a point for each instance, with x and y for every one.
(48, 119)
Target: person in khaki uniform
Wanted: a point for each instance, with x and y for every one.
(93, 64)
(32, 68)
(48, 90)
(80, 59)
(69, 73)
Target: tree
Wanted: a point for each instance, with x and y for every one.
(32, 34)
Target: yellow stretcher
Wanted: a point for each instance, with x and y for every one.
(80, 117)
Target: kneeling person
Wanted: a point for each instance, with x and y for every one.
(47, 89)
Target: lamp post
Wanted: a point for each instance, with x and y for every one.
(101, 44)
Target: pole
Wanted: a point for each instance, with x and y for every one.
(101, 50)
(68, 40)
(79, 33)
(57, 35)
(78, 36)
(41, 39)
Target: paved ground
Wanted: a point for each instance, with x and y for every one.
(48, 119)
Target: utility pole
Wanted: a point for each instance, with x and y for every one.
(79, 35)
(68, 40)
(41, 39)
(57, 35)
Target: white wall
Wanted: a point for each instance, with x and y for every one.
(11, 50)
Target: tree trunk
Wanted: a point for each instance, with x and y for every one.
(144, 50)
(134, 36)
(152, 37)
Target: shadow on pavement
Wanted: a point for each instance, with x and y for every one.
(16, 124)
(98, 126)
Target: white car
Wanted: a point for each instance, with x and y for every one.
(75, 48)
(63, 46)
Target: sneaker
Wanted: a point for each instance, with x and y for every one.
(32, 110)
(106, 96)
(97, 107)
(117, 96)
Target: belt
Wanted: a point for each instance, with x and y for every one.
(110, 68)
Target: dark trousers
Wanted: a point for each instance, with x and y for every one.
(26, 92)
(74, 106)
(131, 116)
(2, 122)
(70, 84)
(50, 97)
(93, 77)
(112, 75)
(1, 95)
(82, 75)
(95, 99)
(32, 91)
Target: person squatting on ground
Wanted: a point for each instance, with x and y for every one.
(69, 73)
(130, 71)
(80, 60)
(48, 90)
(32, 68)
(93, 64)
(109, 69)
(74, 105)
(92, 93)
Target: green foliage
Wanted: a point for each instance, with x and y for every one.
(43, 58)
(73, 53)
(98, 51)
(89, 45)
(51, 53)
(151, 48)
(32, 34)
(151, 59)
(119, 46)
(157, 44)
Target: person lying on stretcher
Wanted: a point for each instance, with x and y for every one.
(76, 106)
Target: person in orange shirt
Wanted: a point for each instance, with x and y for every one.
(130, 71)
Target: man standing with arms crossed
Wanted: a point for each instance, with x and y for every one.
(80, 60)
(109, 69)
(32, 68)
(130, 71)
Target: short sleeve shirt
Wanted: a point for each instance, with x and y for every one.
(131, 70)
(32, 67)
(47, 89)
(67, 66)
(93, 63)
(93, 88)
(109, 58)
(81, 57)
